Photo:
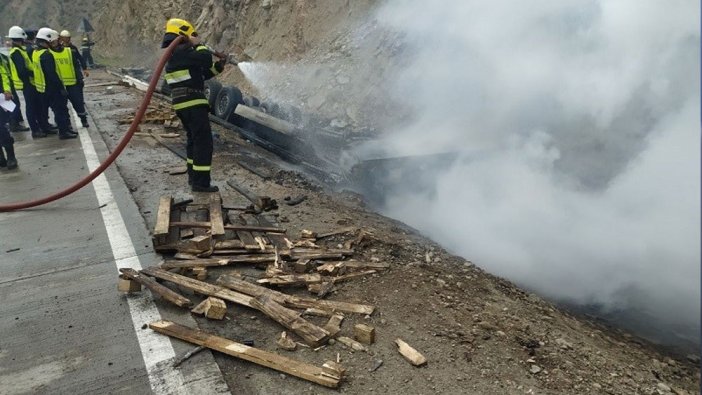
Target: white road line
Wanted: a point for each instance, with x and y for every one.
(156, 349)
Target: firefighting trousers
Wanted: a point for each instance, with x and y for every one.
(196, 123)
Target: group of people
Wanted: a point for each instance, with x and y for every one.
(49, 70)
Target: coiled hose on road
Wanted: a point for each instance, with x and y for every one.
(117, 151)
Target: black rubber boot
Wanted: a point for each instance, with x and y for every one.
(11, 160)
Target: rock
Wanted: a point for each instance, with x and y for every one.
(663, 387)
(670, 362)
(693, 358)
(535, 369)
(597, 386)
(563, 344)
(266, 4)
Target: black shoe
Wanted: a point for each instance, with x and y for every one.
(84, 122)
(11, 164)
(211, 188)
(50, 131)
(66, 136)
(18, 127)
(38, 135)
(3, 162)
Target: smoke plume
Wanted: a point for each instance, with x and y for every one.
(577, 125)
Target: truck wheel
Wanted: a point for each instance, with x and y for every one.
(227, 100)
(212, 89)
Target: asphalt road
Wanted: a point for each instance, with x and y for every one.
(64, 328)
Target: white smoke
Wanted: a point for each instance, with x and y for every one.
(587, 114)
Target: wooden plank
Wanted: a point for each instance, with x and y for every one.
(246, 228)
(163, 217)
(241, 351)
(352, 344)
(290, 300)
(161, 290)
(215, 308)
(173, 264)
(410, 354)
(286, 317)
(347, 277)
(333, 326)
(292, 279)
(228, 245)
(264, 119)
(355, 265)
(216, 218)
(311, 334)
(128, 286)
(244, 235)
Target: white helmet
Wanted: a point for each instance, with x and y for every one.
(47, 34)
(65, 33)
(17, 32)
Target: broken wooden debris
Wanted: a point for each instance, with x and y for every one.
(321, 289)
(333, 326)
(215, 308)
(196, 244)
(356, 265)
(292, 279)
(262, 203)
(311, 334)
(286, 343)
(216, 218)
(163, 219)
(303, 266)
(214, 262)
(207, 225)
(352, 344)
(350, 276)
(128, 286)
(251, 289)
(364, 333)
(333, 370)
(332, 268)
(228, 245)
(286, 317)
(318, 312)
(200, 273)
(161, 290)
(308, 234)
(274, 361)
(410, 354)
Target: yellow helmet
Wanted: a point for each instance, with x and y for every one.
(180, 26)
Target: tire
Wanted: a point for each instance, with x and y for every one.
(212, 89)
(270, 107)
(227, 100)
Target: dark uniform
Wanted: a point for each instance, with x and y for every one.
(70, 72)
(16, 117)
(22, 72)
(86, 52)
(6, 141)
(186, 73)
(52, 91)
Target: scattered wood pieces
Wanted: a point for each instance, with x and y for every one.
(161, 290)
(355, 265)
(197, 244)
(332, 268)
(333, 370)
(410, 354)
(321, 289)
(268, 229)
(286, 343)
(163, 219)
(200, 273)
(286, 317)
(238, 350)
(352, 344)
(214, 308)
(303, 266)
(308, 234)
(364, 334)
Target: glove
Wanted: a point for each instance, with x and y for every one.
(219, 65)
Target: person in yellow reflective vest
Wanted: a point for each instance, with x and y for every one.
(48, 82)
(22, 73)
(186, 72)
(7, 143)
(69, 70)
(16, 117)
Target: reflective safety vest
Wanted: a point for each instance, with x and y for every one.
(39, 80)
(64, 66)
(5, 76)
(13, 68)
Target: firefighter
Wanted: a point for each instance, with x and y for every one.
(86, 52)
(70, 72)
(21, 69)
(48, 82)
(186, 72)
(7, 143)
(65, 39)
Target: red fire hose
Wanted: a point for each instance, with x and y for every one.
(117, 151)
